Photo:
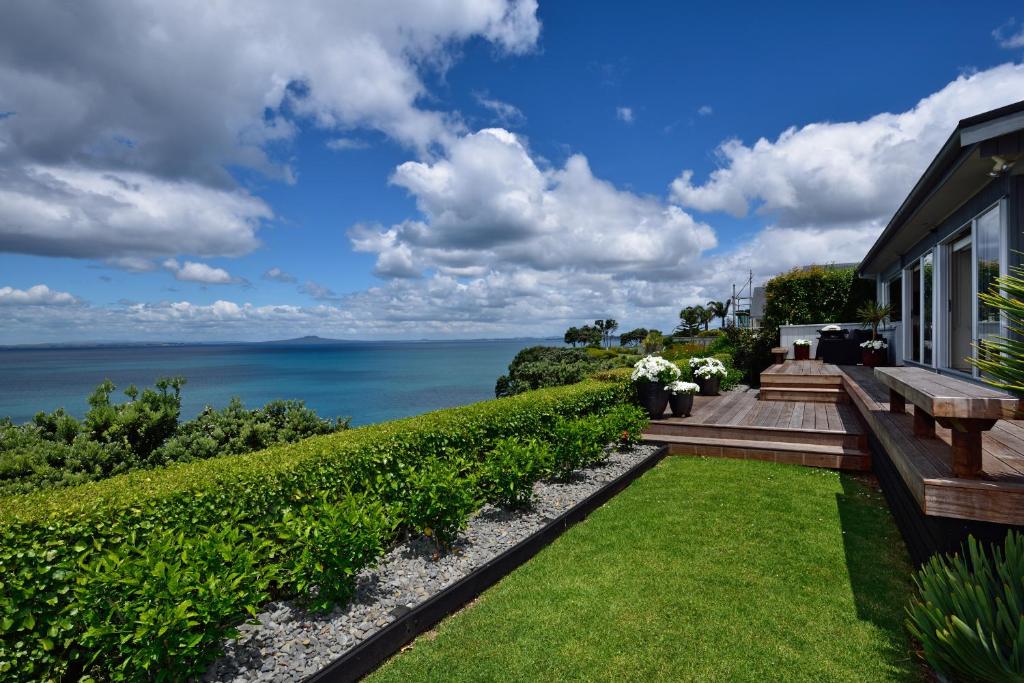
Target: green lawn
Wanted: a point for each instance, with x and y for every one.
(704, 569)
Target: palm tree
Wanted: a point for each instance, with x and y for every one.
(719, 309)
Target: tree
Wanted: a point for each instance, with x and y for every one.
(690, 318)
(633, 337)
(572, 336)
(610, 325)
(653, 341)
(590, 335)
(719, 309)
(706, 316)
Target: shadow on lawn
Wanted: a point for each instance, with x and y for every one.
(878, 565)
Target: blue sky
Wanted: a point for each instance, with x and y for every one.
(462, 170)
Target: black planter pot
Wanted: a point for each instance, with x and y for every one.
(653, 397)
(681, 404)
(709, 386)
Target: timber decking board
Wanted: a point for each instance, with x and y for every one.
(924, 464)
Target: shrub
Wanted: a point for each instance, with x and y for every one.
(56, 450)
(969, 612)
(511, 469)
(159, 609)
(815, 295)
(441, 497)
(538, 367)
(577, 443)
(326, 544)
(624, 424)
(234, 430)
(44, 535)
(1001, 359)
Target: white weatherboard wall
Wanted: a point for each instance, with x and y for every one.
(790, 333)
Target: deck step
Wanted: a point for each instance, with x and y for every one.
(810, 455)
(810, 381)
(806, 394)
(855, 440)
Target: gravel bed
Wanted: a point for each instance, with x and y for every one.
(288, 643)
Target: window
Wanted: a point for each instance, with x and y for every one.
(896, 298)
(927, 309)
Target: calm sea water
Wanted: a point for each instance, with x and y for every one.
(368, 382)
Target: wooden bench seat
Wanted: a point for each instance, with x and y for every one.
(964, 408)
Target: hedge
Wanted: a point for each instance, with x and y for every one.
(57, 547)
(815, 295)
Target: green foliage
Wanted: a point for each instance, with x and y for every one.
(874, 314)
(751, 352)
(815, 295)
(327, 543)
(588, 335)
(56, 450)
(159, 608)
(1001, 359)
(969, 612)
(654, 341)
(538, 367)
(234, 430)
(624, 424)
(577, 443)
(442, 495)
(633, 337)
(48, 538)
(511, 469)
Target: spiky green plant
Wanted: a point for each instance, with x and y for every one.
(969, 613)
(874, 314)
(1001, 359)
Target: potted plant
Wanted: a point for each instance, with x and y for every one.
(680, 397)
(802, 349)
(708, 373)
(650, 377)
(874, 352)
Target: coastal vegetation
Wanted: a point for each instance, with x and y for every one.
(55, 449)
(193, 549)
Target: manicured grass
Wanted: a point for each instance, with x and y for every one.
(704, 569)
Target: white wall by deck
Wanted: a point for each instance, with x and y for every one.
(790, 333)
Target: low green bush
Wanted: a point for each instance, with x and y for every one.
(55, 450)
(625, 424)
(326, 544)
(48, 538)
(577, 443)
(442, 495)
(969, 612)
(511, 469)
(158, 607)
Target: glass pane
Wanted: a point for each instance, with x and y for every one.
(915, 314)
(896, 299)
(986, 240)
(927, 317)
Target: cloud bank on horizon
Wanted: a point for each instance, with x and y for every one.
(129, 158)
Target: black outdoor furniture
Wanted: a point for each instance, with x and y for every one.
(837, 347)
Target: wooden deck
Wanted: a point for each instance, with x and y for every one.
(997, 495)
(746, 424)
(798, 418)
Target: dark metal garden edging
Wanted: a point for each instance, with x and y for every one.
(372, 652)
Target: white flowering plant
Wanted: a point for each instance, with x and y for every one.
(709, 367)
(874, 344)
(677, 388)
(655, 369)
(802, 342)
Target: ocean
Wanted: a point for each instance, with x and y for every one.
(367, 381)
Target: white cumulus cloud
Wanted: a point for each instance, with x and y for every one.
(39, 295)
(193, 271)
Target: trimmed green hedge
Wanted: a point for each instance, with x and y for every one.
(54, 544)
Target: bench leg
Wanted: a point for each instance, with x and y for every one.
(924, 424)
(897, 404)
(966, 442)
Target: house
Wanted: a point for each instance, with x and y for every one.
(959, 228)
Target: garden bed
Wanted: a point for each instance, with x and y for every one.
(409, 591)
